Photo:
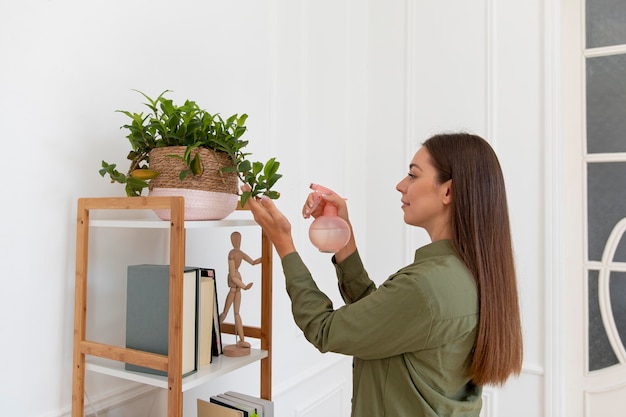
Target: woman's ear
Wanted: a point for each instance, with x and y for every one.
(446, 190)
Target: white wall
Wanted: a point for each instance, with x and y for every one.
(341, 92)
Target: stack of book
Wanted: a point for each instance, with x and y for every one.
(147, 314)
(235, 404)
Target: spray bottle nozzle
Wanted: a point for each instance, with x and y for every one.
(320, 188)
(319, 191)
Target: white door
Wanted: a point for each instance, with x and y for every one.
(594, 145)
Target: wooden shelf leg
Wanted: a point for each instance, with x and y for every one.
(266, 316)
(80, 310)
(175, 344)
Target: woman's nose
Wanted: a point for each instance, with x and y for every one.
(399, 186)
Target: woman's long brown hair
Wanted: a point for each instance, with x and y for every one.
(482, 239)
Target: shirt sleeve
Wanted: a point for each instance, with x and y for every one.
(354, 282)
(372, 327)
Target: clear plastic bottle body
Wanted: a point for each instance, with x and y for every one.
(329, 232)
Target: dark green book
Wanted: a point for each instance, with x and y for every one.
(147, 314)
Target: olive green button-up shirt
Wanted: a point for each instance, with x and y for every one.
(411, 338)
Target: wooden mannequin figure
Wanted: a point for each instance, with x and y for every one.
(235, 283)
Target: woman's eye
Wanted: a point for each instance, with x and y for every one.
(411, 176)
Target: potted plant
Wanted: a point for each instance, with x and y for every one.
(178, 149)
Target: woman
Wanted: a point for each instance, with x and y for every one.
(430, 336)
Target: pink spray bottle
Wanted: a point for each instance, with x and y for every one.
(329, 232)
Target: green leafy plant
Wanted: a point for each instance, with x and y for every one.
(168, 124)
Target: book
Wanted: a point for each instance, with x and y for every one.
(205, 316)
(147, 314)
(267, 405)
(217, 329)
(253, 409)
(229, 404)
(209, 409)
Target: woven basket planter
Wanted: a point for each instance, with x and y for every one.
(210, 196)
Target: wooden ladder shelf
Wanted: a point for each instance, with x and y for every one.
(172, 363)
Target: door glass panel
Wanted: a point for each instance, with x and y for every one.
(606, 206)
(606, 103)
(605, 119)
(601, 353)
(617, 287)
(605, 23)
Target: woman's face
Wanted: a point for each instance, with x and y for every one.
(425, 202)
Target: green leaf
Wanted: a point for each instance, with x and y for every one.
(245, 196)
(273, 179)
(273, 194)
(136, 183)
(271, 167)
(242, 120)
(196, 165)
(256, 168)
(176, 157)
(228, 169)
(244, 166)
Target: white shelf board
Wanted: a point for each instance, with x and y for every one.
(164, 224)
(221, 365)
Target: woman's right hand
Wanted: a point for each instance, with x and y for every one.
(314, 207)
(316, 201)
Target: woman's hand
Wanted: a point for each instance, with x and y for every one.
(316, 201)
(274, 224)
(314, 206)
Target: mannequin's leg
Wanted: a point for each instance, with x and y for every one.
(227, 304)
(239, 323)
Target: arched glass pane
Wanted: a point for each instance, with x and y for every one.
(606, 104)
(605, 23)
(620, 253)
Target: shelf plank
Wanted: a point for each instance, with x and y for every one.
(164, 224)
(221, 365)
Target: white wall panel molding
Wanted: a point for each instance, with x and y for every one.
(329, 402)
(427, 110)
(121, 401)
(273, 82)
(410, 242)
(469, 78)
(491, 73)
(310, 393)
(532, 369)
(331, 361)
(389, 144)
(490, 402)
